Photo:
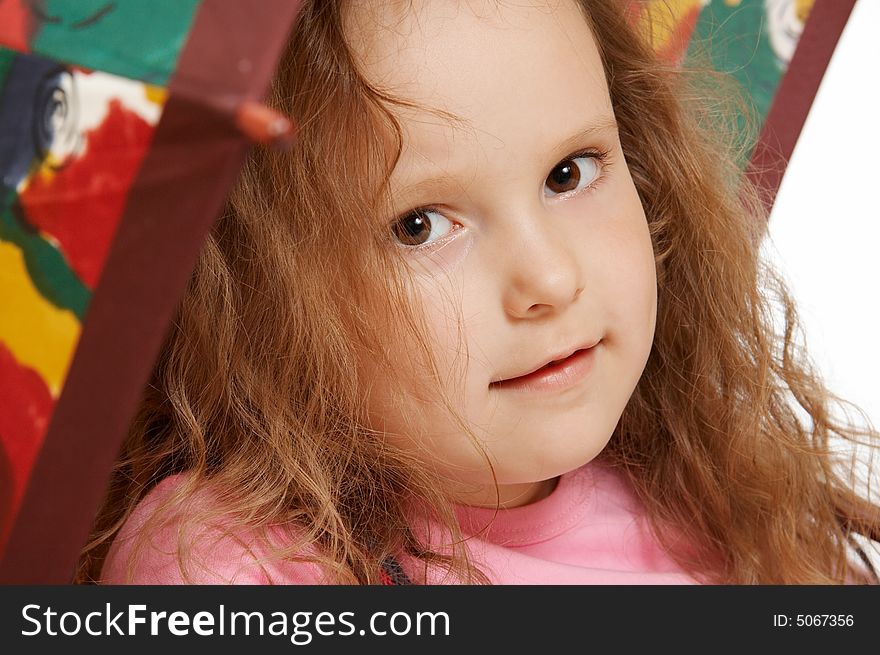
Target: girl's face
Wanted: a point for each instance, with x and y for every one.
(524, 233)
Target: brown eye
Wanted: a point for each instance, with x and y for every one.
(571, 174)
(420, 227)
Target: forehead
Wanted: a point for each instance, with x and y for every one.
(450, 54)
(518, 74)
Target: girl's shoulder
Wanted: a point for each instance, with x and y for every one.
(167, 540)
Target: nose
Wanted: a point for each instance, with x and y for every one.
(543, 272)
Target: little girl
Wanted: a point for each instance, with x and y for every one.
(498, 316)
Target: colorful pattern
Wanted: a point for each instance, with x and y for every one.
(753, 40)
(138, 39)
(670, 24)
(72, 139)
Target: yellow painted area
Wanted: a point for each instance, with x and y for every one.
(40, 335)
(802, 9)
(663, 15)
(156, 94)
(45, 170)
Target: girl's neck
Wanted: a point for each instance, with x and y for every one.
(508, 495)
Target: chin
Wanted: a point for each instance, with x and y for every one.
(558, 458)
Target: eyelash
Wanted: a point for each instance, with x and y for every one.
(601, 156)
(433, 244)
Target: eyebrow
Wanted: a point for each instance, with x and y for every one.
(605, 125)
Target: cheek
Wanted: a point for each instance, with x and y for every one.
(410, 404)
(462, 330)
(638, 274)
(449, 325)
(406, 395)
(623, 259)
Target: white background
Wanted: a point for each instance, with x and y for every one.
(825, 225)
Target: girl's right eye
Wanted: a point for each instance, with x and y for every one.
(421, 226)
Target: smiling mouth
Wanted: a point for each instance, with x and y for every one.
(555, 375)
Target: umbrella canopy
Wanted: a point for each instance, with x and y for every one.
(776, 49)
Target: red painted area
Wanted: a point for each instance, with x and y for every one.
(633, 11)
(81, 204)
(15, 25)
(27, 406)
(677, 47)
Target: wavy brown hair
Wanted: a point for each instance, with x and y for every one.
(257, 395)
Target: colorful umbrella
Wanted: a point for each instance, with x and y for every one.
(121, 131)
(122, 126)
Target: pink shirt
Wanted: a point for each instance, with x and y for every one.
(590, 530)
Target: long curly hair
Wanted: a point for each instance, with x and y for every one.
(728, 439)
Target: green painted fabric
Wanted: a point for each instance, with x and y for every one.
(6, 57)
(46, 265)
(139, 39)
(736, 41)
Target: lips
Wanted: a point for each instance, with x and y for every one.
(556, 373)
